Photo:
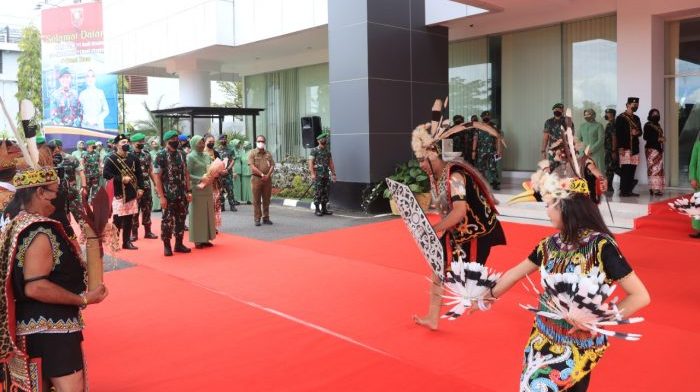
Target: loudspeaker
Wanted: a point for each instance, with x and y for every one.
(310, 129)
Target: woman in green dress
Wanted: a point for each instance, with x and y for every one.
(694, 175)
(201, 217)
(154, 148)
(247, 192)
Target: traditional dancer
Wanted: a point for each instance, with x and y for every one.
(466, 204)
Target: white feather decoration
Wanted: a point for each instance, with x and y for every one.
(20, 140)
(687, 206)
(581, 301)
(467, 284)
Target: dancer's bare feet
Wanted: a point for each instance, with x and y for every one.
(427, 321)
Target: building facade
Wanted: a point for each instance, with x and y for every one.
(370, 68)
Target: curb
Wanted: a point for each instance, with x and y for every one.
(293, 203)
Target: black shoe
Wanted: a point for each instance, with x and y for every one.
(223, 207)
(267, 222)
(318, 212)
(324, 210)
(233, 209)
(695, 235)
(257, 223)
(207, 244)
(129, 246)
(199, 246)
(149, 235)
(180, 248)
(167, 250)
(249, 203)
(236, 203)
(658, 193)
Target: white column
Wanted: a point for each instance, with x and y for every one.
(640, 63)
(195, 90)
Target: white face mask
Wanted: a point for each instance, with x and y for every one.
(260, 145)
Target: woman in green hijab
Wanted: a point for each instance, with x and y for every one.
(153, 149)
(201, 218)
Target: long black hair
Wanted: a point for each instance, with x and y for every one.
(579, 213)
(21, 198)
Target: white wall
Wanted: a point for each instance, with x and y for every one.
(257, 20)
(139, 32)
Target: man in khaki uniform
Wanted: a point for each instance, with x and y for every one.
(262, 167)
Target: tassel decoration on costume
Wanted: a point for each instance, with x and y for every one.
(468, 284)
(581, 301)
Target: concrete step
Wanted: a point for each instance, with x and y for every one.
(623, 214)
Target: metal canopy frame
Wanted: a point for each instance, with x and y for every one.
(193, 112)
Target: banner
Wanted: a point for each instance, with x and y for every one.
(80, 100)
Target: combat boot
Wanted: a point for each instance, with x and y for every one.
(318, 210)
(149, 234)
(167, 249)
(180, 247)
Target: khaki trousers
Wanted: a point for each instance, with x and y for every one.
(262, 190)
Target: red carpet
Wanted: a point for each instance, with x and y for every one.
(662, 222)
(331, 311)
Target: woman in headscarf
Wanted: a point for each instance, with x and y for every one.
(209, 143)
(154, 147)
(201, 218)
(654, 149)
(593, 137)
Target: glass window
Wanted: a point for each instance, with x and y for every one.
(469, 77)
(590, 66)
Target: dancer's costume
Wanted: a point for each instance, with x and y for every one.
(577, 279)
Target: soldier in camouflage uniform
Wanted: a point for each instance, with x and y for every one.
(226, 184)
(488, 153)
(146, 200)
(72, 178)
(172, 181)
(322, 172)
(91, 166)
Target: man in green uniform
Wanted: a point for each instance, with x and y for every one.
(322, 173)
(172, 184)
(227, 180)
(611, 166)
(69, 169)
(553, 129)
(146, 201)
(488, 153)
(91, 165)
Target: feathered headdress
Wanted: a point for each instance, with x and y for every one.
(545, 185)
(425, 137)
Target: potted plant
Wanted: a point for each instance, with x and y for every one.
(411, 175)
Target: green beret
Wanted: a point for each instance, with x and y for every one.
(90, 143)
(137, 137)
(40, 140)
(170, 134)
(323, 135)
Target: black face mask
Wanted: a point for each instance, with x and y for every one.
(126, 148)
(557, 113)
(486, 119)
(139, 146)
(634, 109)
(57, 159)
(655, 118)
(173, 144)
(210, 145)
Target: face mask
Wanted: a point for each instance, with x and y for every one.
(210, 145)
(126, 148)
(57, 159)
(588, 117)
(557, 113)
(174, 144)
(260, 145)
(634, 108)
(655, 118)
(139, 146)
(486, 119)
